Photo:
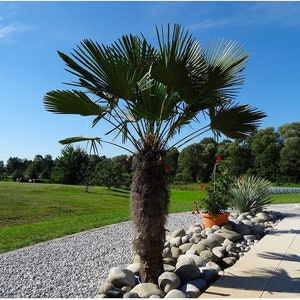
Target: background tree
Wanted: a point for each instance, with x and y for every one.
(148, 96)
(266, 146)
(240, 157)
(290, 154)
(2, 170)
(69, 167)
(107, 173)
(48, 164)
(223, 148)
(172, 163)
(189, 163)
(16, 167)
(196, 162)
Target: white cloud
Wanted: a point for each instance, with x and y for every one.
(7, 31)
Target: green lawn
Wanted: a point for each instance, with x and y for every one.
(32, 213)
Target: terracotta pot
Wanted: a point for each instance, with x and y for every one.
(211, 220)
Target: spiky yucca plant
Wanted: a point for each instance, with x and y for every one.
(251, 193)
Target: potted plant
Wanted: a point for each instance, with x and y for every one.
(213, 207)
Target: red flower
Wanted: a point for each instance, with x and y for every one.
(218, 159)
(240, 180)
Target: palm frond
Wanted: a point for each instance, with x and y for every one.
(93, 140)
(235, 121)
(72, 102)
(77, 139)
(180, 64)
(225, 60)
(111, 70)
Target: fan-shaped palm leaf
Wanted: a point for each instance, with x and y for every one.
(235, 121)
(72, 102)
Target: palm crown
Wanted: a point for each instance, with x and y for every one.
(148, 95)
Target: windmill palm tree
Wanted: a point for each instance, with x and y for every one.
(148, 95)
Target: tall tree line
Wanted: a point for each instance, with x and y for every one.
(269, 153)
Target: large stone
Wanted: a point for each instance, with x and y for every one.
(212, 265)
(256, 220)
(114, 293)
(190, 290)
(242, 229)
(166, 252)
(201, 284)
(218, 252)
(229, 225)
(194, 229)
(136, 259)
(120, 277)
(218, 238)
(175, 294)
(229, 234)
(205, 232)
(185, 247)
(145, 290)
(131, 295)
(199, 261)
(175, 242)
(257, 230)
(193, 288)
(249, 237)
(263, 216)
(178, 233)
(209, 243)
(192, 251)
(105, 287)
(215, 227)
(175, 252)
(168, 281)
(198, 248)
(196, 237)
(168, 268)
(243, 216)
(228, 261)
(187, 272)
(247, 222)
(170, 261)
(134, 268)
(185, 239)
(227, 242)
(209, 275)
(184, 260)
(207, 255)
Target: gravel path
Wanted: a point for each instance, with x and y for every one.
(72, 266)
(75, 266)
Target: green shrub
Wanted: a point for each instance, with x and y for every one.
(251, 193)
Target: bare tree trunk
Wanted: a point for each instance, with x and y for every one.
(149, 208)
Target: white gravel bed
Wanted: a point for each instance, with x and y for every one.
(75, 266)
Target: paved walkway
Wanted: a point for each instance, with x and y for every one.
(271, 269)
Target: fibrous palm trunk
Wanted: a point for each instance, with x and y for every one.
(149, 208)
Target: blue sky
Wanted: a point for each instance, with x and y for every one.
(32, 32)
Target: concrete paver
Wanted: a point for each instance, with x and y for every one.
(271, 269)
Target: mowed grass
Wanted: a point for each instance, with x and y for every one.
(33, 213)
